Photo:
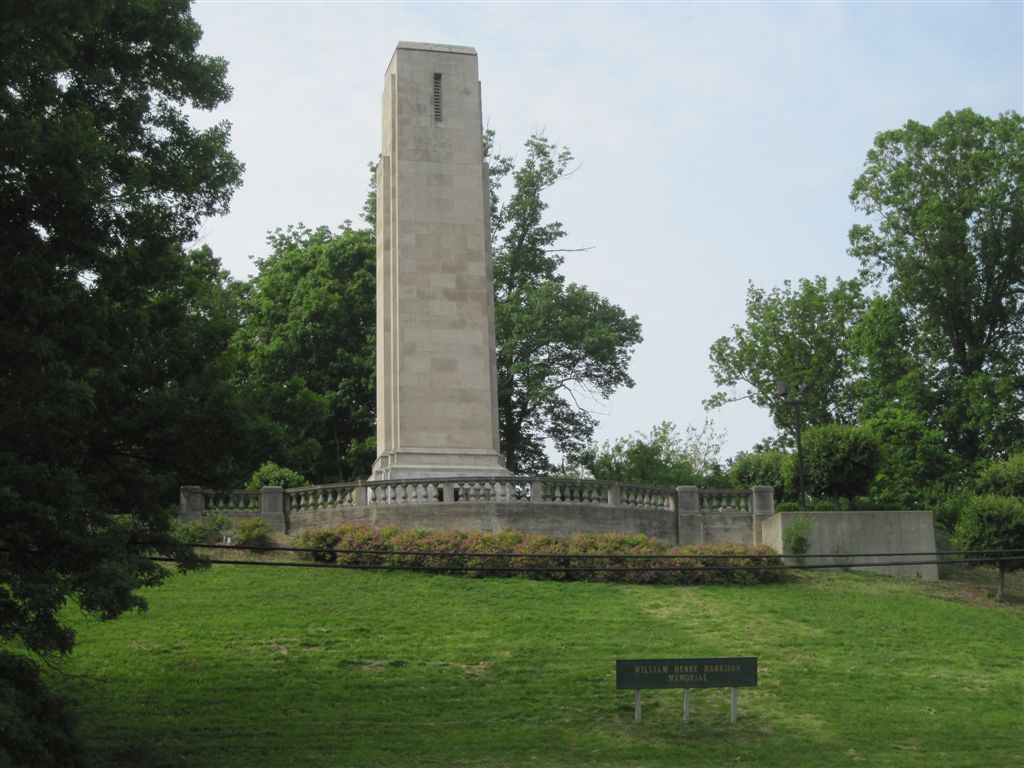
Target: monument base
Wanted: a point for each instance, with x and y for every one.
(426, 463)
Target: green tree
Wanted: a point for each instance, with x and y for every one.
(1004, 477)
(840, 461)
(766, 468)
(270, 473)
(993, 523)
(660, 457)
(113, 341)
(915, 469)
(308, 354)
(560, 346)
(946, 240)
(792, 334)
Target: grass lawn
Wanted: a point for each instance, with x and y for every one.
(249, 666)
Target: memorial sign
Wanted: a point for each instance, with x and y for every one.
(732, 673)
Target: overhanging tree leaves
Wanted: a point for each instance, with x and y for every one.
(947, 241)
(111, 337)
(560, 346)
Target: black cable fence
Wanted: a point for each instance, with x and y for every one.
(562, 562)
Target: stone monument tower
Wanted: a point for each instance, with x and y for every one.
(437, 413)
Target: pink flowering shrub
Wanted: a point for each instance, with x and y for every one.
(607, 557)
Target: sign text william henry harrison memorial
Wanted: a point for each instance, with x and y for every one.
(437, 410)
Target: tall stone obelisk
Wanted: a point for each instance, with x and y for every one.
(437, 413)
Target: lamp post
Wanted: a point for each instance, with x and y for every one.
(782, 388)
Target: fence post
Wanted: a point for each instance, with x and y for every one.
(690, 526)
(272, 508)
(762, 506)
(190, 504)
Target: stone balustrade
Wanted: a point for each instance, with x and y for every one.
(712, 499)
(231, 502)
(550, 505)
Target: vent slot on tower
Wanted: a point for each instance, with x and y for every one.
(437, 97)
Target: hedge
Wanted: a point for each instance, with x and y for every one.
(366, 546)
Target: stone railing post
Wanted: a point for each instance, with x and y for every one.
(272, 508)
(690, 525)
(614, 495)
(359, 496)
(762, 506)
(536, 491)
(190, 509)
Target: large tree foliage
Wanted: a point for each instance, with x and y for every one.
(307, 351)
(933, 362)
(946, 241)
(561, 347)
(1003, 477)
(792, 335)
(771, 467)
(915, 469)
(660, 457)
(111, 337)
(840, 461)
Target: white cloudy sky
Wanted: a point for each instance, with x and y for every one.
(717, 141)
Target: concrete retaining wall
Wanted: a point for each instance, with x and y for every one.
(837, 535)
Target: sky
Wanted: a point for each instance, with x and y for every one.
(715, 144)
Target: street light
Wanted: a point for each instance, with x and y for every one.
(782, 389)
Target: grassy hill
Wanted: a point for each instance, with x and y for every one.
(248, 666)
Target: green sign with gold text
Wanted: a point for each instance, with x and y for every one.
(686, 673)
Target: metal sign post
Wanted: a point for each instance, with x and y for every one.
(686, 674)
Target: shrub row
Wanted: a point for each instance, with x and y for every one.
(566, 559)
